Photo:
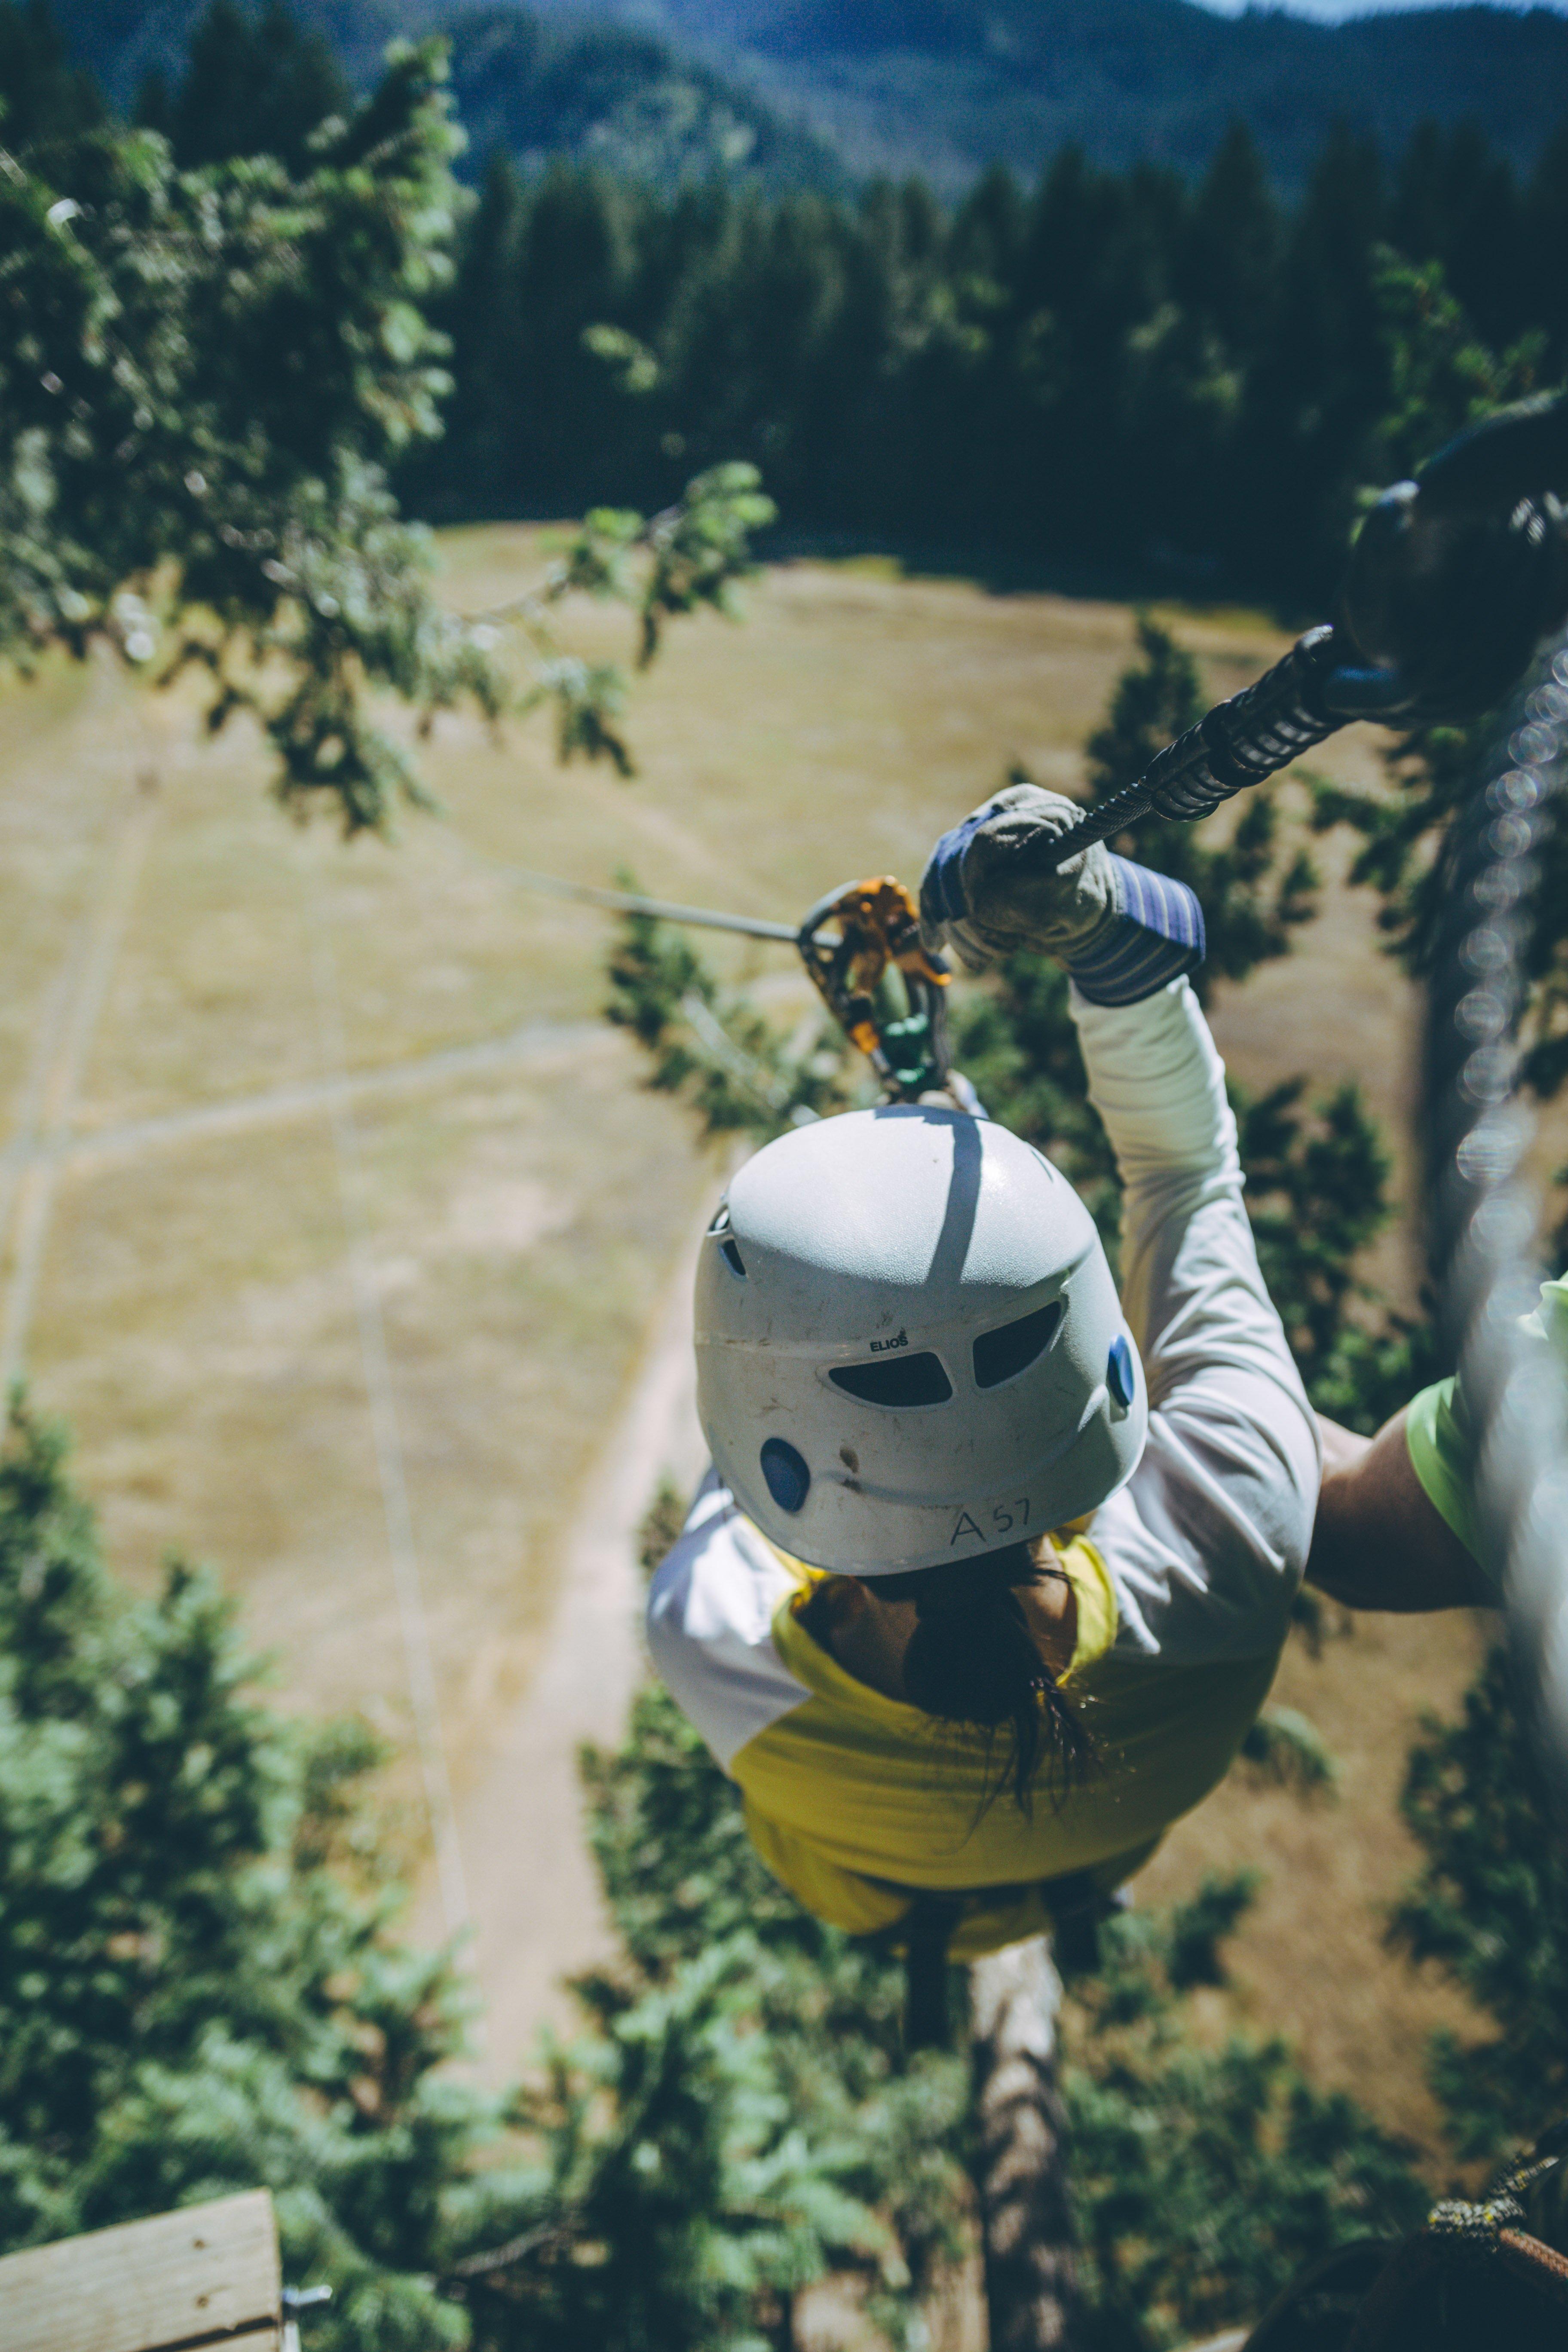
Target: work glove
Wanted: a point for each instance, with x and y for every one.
(984, 896)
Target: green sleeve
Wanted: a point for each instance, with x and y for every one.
(1437, 1431)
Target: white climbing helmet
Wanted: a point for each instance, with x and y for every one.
(909, 1348)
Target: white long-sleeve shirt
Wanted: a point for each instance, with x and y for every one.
(1185, 1582)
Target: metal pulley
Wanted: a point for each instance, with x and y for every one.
(862, 950)
(861, 946)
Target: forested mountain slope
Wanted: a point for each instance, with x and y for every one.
(628, 99)
(942, 86)
(947, 86)
(124, 41)
(640, 102)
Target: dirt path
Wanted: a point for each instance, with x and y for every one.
(386, 1436)
(512, 1861)
(67, 1028)
(57, 1141)
(533, 1900)
(534, 1041)
(509, 1858)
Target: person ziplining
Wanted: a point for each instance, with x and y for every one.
(993, 1568)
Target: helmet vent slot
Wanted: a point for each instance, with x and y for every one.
(730, 1250)
(902, 1380)
(788, 1479)
(1002, 1354)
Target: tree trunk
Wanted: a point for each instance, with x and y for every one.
(1031, 2279)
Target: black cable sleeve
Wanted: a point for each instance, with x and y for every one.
(1254, 733)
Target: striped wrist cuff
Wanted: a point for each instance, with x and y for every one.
(1154, 935)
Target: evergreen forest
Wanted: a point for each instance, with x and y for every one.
(1122, 377)
(1116, 376)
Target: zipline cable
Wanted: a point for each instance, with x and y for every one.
(1481, 1224)
(631, 902)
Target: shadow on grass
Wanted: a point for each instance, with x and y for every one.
(1154, 575)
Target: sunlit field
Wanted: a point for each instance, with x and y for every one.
(244, 1063)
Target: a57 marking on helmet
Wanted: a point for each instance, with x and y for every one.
(1007, 1519)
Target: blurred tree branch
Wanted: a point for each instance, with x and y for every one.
(205, 376)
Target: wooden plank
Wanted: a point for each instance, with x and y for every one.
(268, 2338)
(207, 2273)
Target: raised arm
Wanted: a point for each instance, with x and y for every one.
(1214, 1528)
(1189, 1278)
(1207, 1541)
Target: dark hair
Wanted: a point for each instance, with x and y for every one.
(972, 1659)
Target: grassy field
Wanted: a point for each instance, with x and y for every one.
(257, 1078)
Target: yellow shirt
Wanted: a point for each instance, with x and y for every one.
(852, 1798)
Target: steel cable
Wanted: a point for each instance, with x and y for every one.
(1480, 1213)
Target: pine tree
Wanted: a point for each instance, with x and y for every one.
(575, 258)
(1442, 377)
(199, 1987)
(476, 468)
(1490, 1908)
(1231, 249)
(1545, 240)
(1093, 284)
(1111, 367)
(1251, 897)
(43, 98)
(202, 1989)
(986, 239)
(687, 1891)
(252, 86)
(1317, 1193)
(1015, 1041)
(1321, 377)
(714, 1049)
(1456, 203)
(1204, 2179)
